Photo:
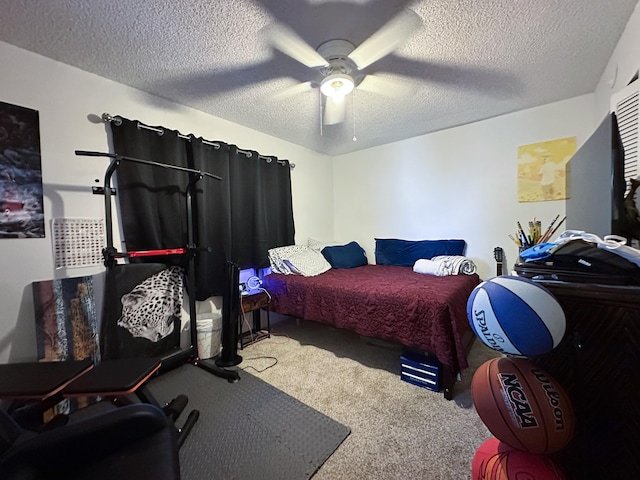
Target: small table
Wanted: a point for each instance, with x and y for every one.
(254, 302)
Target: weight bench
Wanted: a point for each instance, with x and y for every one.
(133, 441)
(47, 383)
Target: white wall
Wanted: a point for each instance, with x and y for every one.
(457, 183)
(623, 64)
(64, 96)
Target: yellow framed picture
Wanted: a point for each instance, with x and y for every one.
(542, 170)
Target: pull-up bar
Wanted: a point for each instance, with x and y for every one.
(119, 158)
(115, 161)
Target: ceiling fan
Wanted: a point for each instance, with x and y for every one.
(339, 65)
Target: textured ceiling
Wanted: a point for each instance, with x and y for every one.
(468, 61)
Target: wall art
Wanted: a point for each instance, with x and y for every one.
(77, 242)
(21, 209)
(542, 170)
(66, 327)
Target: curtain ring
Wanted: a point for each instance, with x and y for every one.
(117, 121)
(159, 131)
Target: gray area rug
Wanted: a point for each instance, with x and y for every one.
(248, 429)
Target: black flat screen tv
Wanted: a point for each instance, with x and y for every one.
(596, 183)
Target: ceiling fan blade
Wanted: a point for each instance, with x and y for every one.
(392, 34)
(386, 86)
(288, 42)
(293, 90)
(334, 110)
(482, 78)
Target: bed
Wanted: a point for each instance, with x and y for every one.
(389, 302)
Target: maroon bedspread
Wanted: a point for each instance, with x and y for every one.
(386, 302)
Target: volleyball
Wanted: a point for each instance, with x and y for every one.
(516, 316)
(522, 405)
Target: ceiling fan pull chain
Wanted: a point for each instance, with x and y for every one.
(353, 113)
(321, 112)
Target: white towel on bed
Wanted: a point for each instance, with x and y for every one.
(424, 265)
(443, 265)
(457, 264)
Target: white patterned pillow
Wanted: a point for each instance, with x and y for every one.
(319, 245)
(307, 263)
(279, 254)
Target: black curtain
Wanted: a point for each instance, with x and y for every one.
(235, 220)
(152, 200)
(262, 211)
(212, 217)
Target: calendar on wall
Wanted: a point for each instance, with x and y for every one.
(77, 242)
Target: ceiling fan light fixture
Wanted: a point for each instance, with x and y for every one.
(337, 85)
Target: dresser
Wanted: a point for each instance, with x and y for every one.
(598, 363)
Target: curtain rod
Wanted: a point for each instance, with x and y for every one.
(116, 120)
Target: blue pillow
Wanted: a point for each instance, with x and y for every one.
(345, 256)
(391, 251)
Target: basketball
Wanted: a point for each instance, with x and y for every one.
(522, 405)
(516, 316)
(495, 460)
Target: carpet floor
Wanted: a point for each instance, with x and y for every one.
(398, 430)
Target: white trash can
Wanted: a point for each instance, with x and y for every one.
(208, 326)
(209, 334)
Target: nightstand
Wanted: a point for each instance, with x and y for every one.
(252, 303)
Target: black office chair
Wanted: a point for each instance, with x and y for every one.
(131, 442)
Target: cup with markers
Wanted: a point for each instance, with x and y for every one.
(534, 235)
